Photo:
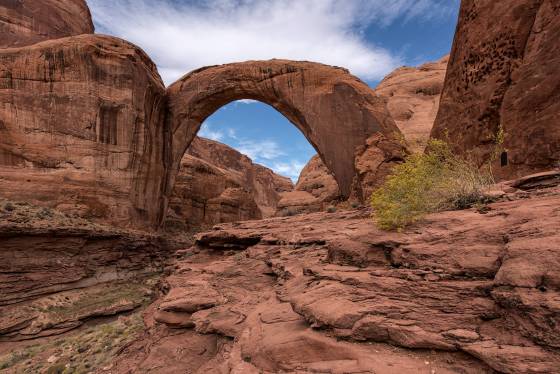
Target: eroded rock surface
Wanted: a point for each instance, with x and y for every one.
(462, 291)
(413, 99)
(412, 96)
(25, 22)
(217, 184)
(505, 75)
(58, 271)
(79, 116)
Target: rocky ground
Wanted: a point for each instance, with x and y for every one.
(471, 291)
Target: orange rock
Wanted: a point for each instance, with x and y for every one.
(217, 184)
(504, 74)
(31, 21)
(413, 99)
(78, 117)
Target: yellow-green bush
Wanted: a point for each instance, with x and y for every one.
(426, 183)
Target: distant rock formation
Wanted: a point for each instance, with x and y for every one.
(412, 95)
(217, 184)
(503, 73)
(26, 22)
(315, 190)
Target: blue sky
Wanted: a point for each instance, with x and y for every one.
(369, 37)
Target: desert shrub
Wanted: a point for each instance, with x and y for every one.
(426, 183)
(331, 209)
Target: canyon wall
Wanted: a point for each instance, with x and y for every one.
(503, 75)
(26, 22)
(78, 116)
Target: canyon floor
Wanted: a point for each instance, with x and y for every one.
(470, 291)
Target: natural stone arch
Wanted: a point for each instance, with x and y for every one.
(335, 111)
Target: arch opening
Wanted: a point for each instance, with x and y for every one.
(246, 160)
(336, 112)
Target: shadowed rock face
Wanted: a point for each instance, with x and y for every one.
(25, 22)
(505, 74)
(217, 184)
(335, 111)
(79, 116)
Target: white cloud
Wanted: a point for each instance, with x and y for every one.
(260, 150)
(290, 169)
(182, 36)
(207, 132)
(246, 101)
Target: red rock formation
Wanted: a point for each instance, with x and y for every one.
(217, 184)
(315, 190)
(79, 116)
(58, 271)
(505, 74)
(25, 22)
(413, 99)
(412, 96)
(333, 109)
(459, 292)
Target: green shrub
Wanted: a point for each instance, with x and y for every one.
(331, 209)
(426, 183)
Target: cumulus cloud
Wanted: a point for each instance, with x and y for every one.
(184, 35)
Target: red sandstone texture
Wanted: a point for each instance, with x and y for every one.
(25, 22)
(79, 116)
(217, 184)
(413, 99)
(503, 72)
(58, 271)
(334, 110)
(412, 96)
(461, 292)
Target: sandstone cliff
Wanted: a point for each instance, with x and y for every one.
(503, 73)
(413, 95)
(25, 22)
(79, 116)
(217, 184)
